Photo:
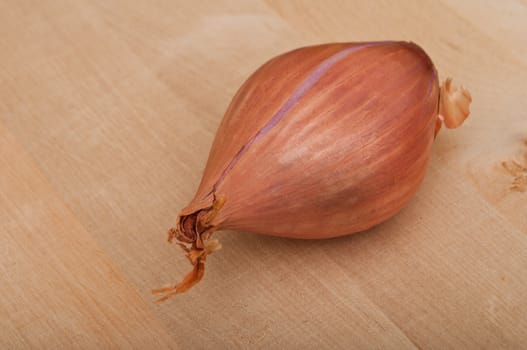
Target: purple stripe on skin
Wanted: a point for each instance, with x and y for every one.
(297, 94)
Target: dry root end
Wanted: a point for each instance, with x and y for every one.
(197, 257)
(192, 233)
(454, 104)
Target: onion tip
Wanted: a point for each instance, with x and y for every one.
(454, 104)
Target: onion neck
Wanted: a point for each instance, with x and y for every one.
(454, 104)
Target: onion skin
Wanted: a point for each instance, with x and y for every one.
(320, 142)
(348, 155)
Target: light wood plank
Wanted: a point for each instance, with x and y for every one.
(108, 110)
(59, 288)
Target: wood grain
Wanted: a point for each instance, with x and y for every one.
(60, 289)
(107, 113)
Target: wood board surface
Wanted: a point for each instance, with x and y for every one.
(107, 113)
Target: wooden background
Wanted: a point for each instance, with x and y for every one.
(107, 113)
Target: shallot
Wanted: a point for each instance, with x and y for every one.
(319, 142)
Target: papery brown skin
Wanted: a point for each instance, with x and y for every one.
(320, 142)
(349, 155)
